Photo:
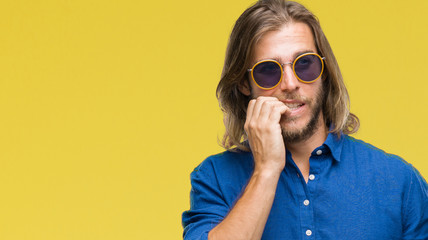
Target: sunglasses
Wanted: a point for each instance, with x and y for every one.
(267, 74)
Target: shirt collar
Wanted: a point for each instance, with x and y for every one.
(335, 142)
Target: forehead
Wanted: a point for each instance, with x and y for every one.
(285, 44)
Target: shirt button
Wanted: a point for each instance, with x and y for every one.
(311, 177)
(319, 152)
(308, 232)
(306, 202)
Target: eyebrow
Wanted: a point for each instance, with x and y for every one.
(295, 55)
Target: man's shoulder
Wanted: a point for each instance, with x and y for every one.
(373, 165)
(365, 147)
(228, 159)
(229, 170)
(364, 151)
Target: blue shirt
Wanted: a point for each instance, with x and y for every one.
(354, 191)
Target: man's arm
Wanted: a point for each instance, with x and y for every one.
(248, 217)
(415, 214)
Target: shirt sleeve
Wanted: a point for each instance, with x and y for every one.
(415, 215)
(207, 205)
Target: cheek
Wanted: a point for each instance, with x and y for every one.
(257, 92)
(313, 89)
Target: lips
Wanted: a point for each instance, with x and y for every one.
(294, 106)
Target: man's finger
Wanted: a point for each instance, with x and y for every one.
(250, 109)
(279, 110)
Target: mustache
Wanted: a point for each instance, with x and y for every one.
(291, 96)
(294, 96)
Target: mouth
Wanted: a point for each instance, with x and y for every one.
(294, 106)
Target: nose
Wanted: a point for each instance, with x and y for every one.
(289, 81)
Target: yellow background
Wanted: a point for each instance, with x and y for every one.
(107, 106)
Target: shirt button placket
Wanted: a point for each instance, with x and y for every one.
(306, 205)
(307, 218)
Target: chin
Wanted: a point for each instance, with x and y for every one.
(297, 130)
(294, 124)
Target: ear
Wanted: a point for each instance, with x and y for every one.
(245, 88)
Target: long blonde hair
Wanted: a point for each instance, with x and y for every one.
(262, 17)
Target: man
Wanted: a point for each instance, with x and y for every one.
(294, 173)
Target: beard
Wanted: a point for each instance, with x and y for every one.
(290, 135)
(299, 135)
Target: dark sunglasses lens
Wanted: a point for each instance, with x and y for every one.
(267, 74)
(308, 67)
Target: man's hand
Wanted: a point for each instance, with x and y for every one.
(248, 217)
(264, 134)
